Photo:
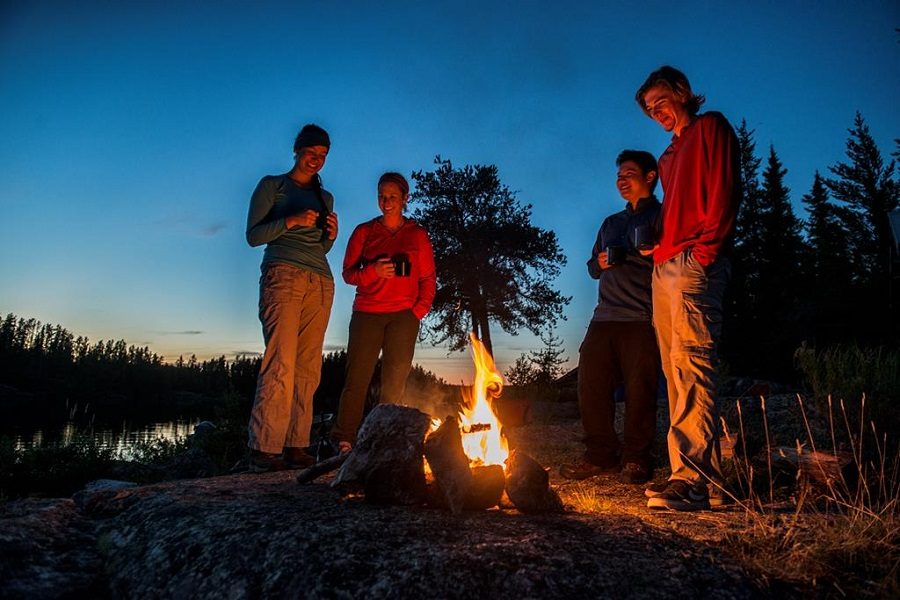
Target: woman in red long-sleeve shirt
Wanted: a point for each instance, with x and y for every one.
(390, 261)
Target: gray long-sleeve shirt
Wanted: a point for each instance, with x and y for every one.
(277, 197)
(624, 289)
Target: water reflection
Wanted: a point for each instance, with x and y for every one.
(121, 439)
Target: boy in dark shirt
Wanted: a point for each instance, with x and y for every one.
(620, 345)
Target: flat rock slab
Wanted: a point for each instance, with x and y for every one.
(248, 536)
(48, 549)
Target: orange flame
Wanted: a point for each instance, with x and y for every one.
(482, 439)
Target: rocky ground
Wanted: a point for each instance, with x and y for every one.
(249, 535)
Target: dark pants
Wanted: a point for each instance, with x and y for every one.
(393, 335)
(614, 353)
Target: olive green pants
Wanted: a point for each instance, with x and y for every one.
(393, 335)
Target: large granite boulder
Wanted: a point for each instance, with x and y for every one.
(387, 460)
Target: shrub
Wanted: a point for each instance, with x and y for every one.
(847, 373)
(53, 470)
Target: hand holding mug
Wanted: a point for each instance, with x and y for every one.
(384, 268)
(602, 260)
(331, 226)
(615, 255)
(307, 218)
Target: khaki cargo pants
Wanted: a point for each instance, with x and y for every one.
(294, 306)
(687, 315)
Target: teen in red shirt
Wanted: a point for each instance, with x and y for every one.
(699, 172)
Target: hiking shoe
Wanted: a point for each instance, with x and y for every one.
(655, 489)
(263, 462)
(681, 495)
(297, 458)
(634, 474)
(584, 469)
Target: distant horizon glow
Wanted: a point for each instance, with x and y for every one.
(135, 133)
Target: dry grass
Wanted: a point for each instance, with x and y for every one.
(802, 539)
(587, 499)
(841, 537)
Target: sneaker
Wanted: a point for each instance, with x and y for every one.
(297, 458)
(584, 469)
(681, 495)
(634, 474)
(655, 489)
(263, 462)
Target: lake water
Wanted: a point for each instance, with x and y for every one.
(120, 437)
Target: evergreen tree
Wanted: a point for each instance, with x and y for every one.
(867, 187)
(493, 264)
(832, 263)
(743, 293)
(748, 225)
(778, 309)
(548, 361)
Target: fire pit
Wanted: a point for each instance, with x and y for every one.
(461, 462)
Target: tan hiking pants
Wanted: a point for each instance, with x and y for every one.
(294, 306)
(687, 315)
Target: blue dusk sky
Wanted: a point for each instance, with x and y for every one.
(134, 132)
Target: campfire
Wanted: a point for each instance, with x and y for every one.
(482, 433)
(461, 462)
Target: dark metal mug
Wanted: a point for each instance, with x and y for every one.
(644, 237)
(615, 255)
(402, 266)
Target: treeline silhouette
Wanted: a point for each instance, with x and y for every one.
(44, 366)
(826, 281)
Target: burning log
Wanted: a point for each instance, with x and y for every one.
(476, 428)
(528, 485)
(487, 487)
(387, 458)
(449, 464)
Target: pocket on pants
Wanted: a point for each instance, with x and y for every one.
(698, 322)
(275, 285)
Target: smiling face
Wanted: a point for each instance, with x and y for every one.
(633, 183)
(391, 200)
(667, 108)
(310, 160)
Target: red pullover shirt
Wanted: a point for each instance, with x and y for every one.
(700, 175)
(371, 241)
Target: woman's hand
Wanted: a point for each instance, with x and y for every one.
(307, 218)
(331, 226)
(384, 268)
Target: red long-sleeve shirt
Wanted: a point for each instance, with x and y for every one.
(700, 175)
(372, 240)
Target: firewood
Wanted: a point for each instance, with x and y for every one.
(528, 485)
(449, 464)
(487, 487)
(322, 467)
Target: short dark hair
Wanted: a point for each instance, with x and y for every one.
(311, 135)
(676, 81)
(397, 179)
(644, 160)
